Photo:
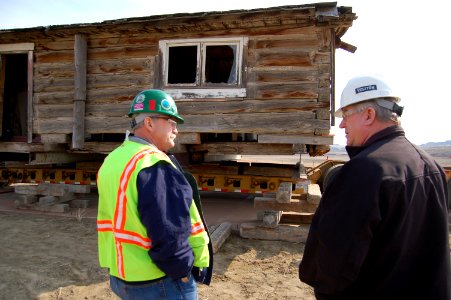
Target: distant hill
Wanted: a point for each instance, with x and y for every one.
(436, 144)
(434, 148)
(440, 151)
(337, 148)
(340, 148)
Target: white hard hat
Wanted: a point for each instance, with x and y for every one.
(363, 88)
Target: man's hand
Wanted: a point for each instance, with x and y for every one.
(199, 274)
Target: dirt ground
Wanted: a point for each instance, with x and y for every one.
(53, 257)
(44, 256)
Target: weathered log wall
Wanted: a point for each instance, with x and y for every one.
(288, 72)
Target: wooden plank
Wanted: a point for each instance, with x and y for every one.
(121, 66)
(296, 58)
(323, 114)
(54, 84)
(287, 91)
(27, 148)
(289, 233)
(286, 123)
(101, 147)
(220, 235)
(295, 139)
(188, 138)
(78, 129)
(206, 93)
(99, 81)
(57, 84)
(286, 76)
(111, 67)
(246, 148)
(55, 138)
(105, 95)
(50, 111)
(309, 40)
(201, 107)
(264, 203)
(2, 90)
(30, 82)
(65, 56)
(16, 47)
(135, 51)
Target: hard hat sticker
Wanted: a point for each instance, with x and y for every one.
(366, 88)
(140, 98)
(166, 104)
(152, 104)
(138, 106)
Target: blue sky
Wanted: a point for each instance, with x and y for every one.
(405, 41)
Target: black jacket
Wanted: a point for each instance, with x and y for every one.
(381, 229)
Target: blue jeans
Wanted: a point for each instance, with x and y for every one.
(165, 288)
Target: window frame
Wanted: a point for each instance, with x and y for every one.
(202, 89)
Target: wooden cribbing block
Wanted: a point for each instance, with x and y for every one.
(264, 203)
(220, 235)
(313, 194)
(288, 233)
(43, 189)
(50, 189)
(48, 200)
(271, 218)
(283, 194)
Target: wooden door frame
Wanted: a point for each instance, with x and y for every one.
(22, 48)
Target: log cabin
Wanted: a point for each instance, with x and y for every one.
(257, 81)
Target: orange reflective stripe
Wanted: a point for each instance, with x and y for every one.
(120, 212)
(119, 259)
(104, 225)
(197, 228)
(133, 238)
(124, 236)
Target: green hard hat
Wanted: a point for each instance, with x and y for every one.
(157, 102)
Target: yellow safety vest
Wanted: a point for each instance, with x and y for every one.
(123, 243)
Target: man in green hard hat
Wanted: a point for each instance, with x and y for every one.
(151, 234)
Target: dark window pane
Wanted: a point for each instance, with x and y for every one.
(220, 64)
(182, 64)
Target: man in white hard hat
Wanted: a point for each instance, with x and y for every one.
(381, 229)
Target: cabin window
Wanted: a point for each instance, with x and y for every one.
(203, 68)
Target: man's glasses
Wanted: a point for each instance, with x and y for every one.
(346, 114)
(170, 121)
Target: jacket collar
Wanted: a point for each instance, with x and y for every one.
(389, 132)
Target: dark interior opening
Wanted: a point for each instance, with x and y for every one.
(107, 137)
(14, 108)
(220, 64)
(182, 65)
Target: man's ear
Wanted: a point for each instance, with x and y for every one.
(370, 115)
(148, 123)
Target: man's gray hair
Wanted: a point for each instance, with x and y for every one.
(138, 119)
(383, 111)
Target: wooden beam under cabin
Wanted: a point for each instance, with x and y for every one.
(81, 54)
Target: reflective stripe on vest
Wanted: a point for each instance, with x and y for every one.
(120, 234)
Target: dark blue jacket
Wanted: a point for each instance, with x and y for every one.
(381, 229)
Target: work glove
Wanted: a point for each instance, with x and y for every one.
(199, 274)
